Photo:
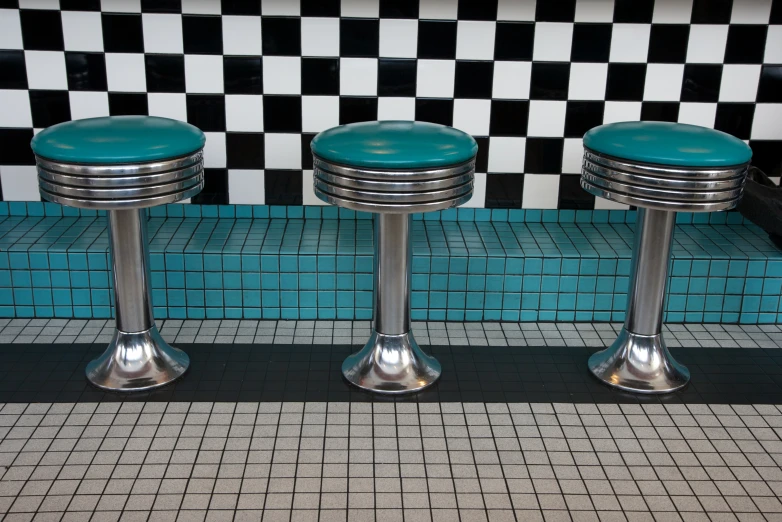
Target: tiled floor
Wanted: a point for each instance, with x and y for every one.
(357, 332)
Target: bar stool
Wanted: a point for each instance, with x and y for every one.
(661, 168)
(392, 169)
(123, 165)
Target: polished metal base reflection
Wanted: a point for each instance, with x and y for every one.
(136, 362)
(639, 364)
(391, 364)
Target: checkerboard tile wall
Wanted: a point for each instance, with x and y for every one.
(526, 78)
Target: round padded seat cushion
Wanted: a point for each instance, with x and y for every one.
(117, 140)
(663, 143)
(391, 145)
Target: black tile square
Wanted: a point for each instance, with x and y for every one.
(161, 6)
(306, 151)
(504, 190)
(320, 76)
(243, 75)
(482, 158)
(202, 34)
(398, 8)
(776, 12)
(735, 119)
(544, 155)
(128, 104)
(215, 191)
(434, 110)
(165, 72)
(355, 109)
(746, 44)
(437, 39)
(122, 33)
(80, 5)
(281, 36)
(13, 70)
(770, 87)
(557, 11)
(549, 81)
(765, 156)
(591, 42)
(397, 77)
(244, 150)
(668, 43)
(282, 113)
(625, 81)
(514, 41)
(572, 196)
(86, 71)
(711, 11)
(331, 8)
(633, 11)
(283, 187)
(242, 7)
(359, 37)
(9, 4)
(41, 30)
(509, 118)
(473, 79)
(660, 111)
(49, 108)
(581, 116)
(16, 147)
(477, 10)
(206, 111)
(701, 82)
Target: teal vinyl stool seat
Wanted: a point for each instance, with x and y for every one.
(393, 169)
(125, 164)
(661, 168)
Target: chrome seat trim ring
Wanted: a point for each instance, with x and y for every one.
(656, 204)
(398, 208)
(661, 193)
(668, 183)
(393, 175)
(120, 181)
(125, 169)
(663, 171)
(394, 197)
(392, 186)
(122, 192)
(121, 204)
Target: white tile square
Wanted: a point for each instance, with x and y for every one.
(358, 76)
(472, 116)
(767, 124)
(126, 72)
(214, 150)
(475, 40)
(46, 70)
(283, 151)
(203, 74)
(572, 155)
(319, 36)
(82, 31)
(162, 33)
(398, 38)
(672, 12)
(168, 105)
(120, 6)
(15, 108)
(20, 183)
(739, 83)
(702, 114)
(246, 187)
(553, 41)
(511, 80)
(587, 81)
(516, 10)
(308, 194)
(204, 7)
(435, 78)
(630, 43)
(707, 43)
(621, 111)
(39, 4)
(540, 191)
(281, 75)
(546, 118)
(242, 35)
(506, 155)
(280, 8)
(595, 11)
(393, 108)
(88, 104)
(319, 113)
(361, 8)
(607, 204)
(663, 82)
(750, 11)
(773, 44)
(438, 9)
(478, 199)
(10, 29)
(244, 113)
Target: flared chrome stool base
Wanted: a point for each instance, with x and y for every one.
(137, 361)
(392, 364)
